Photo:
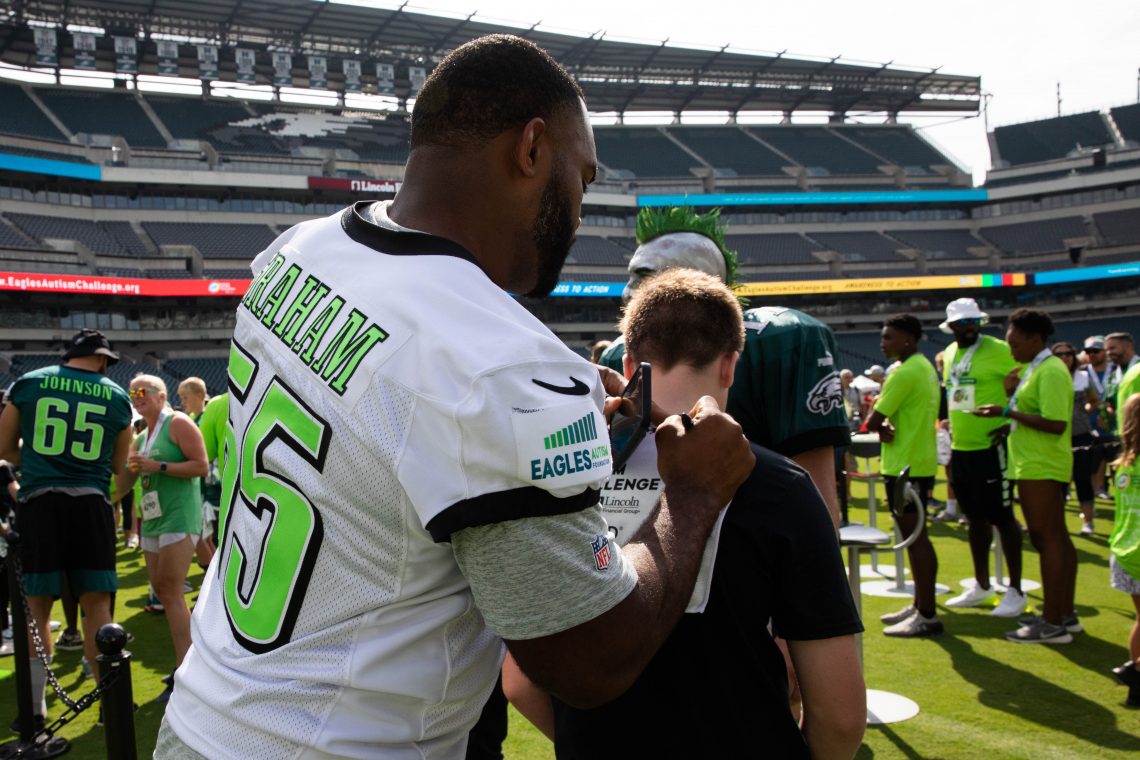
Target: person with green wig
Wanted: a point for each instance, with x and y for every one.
(786, 395)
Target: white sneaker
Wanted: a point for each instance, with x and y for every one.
(7, 648)
(1012, 604)
(55, 625)
(972, 597)
(1087, 529)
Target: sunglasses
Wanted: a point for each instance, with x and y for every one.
(1064, 353)
(140, 392)
(964, 322)
(1094, 350)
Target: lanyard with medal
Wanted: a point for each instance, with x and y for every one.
(962, 396)
(1045, 354)
(151, 507)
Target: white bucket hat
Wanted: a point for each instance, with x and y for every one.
(962, 308)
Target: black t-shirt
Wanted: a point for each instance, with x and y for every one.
(718, 684)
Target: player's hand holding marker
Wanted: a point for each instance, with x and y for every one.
(709, 455)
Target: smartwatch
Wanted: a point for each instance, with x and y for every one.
(162, 466)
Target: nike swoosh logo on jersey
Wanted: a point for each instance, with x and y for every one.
(577, 389)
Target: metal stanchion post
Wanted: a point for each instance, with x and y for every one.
(24, 709)
(118, 699)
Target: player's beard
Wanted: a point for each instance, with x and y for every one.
(553, 233)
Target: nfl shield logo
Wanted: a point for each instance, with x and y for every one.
(601, 547)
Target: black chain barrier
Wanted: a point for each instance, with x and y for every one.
(114, 679)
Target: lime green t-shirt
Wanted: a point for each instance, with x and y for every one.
(1125, 538)
(212, 423)
(1035, 454)
(1129, 384)
(910, 401)
(980, 382)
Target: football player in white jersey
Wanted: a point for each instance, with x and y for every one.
(413, 462)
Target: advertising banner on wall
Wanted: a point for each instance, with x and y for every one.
(318, 72)
(46, 54)
(167, 58)
(246, 59)
(83, 47)
(208, 62)
(126, 55)
(282, 69)
(386, 79)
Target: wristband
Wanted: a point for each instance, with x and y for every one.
(1005, 411)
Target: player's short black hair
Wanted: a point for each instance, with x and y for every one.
(487, 86)
(1033, 321)
(907, 323)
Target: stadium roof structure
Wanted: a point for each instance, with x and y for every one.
(616, 76)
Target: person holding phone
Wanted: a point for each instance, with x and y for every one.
(436, 472)
(1040, 410)
(774, 544)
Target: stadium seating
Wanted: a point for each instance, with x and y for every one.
(818, 149)
(642, 151)
(10, 237)
(51, 156)
(103, 113)
(1035, 237)
(23, 117)
(1119, 227)
(730, 148)
(859, 246)
(939, 244)
(114, 238)
(1127, 120)
(225, 241)
(597, 251)
(211, 370)
(125, 371)
(899, 145)
(1048, 139)
(777, 248)
(209, 120)
(772, 275)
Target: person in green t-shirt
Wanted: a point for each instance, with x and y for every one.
(974, 369)
(1041, 455)
(1125, 539)
(904, 416)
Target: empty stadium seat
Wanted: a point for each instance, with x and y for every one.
(1119, 227)
(1035, 237)
(10, 237)
(23, 117)
(104, 113)
(643, 151)
(596, 250)
(1048, 139)
(859, 246)
(211, 370)
(728, 147)
(775, 248)
(898, 144)
(226, 241)
(114, 238)
(816, 147)
(939, 244)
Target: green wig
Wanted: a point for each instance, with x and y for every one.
(655, 222)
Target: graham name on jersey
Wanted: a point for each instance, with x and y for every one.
(288, 310)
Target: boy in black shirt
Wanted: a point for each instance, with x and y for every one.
(719, 682)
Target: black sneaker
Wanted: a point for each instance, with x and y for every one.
(1127, 674)
(1071, 622)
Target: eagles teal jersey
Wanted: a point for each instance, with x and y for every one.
(69, 420)
(786, 394)
(612, 356)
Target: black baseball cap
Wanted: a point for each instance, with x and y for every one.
(88, 342)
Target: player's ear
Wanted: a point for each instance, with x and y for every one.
(728, 368)
(628, 365)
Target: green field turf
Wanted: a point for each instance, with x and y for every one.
(980, 695)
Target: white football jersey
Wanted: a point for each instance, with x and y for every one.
(384, 393)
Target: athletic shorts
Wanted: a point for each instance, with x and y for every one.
(163, 540)
(924, 487)
(982, 485)
(1121, 579)
(72, 535)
